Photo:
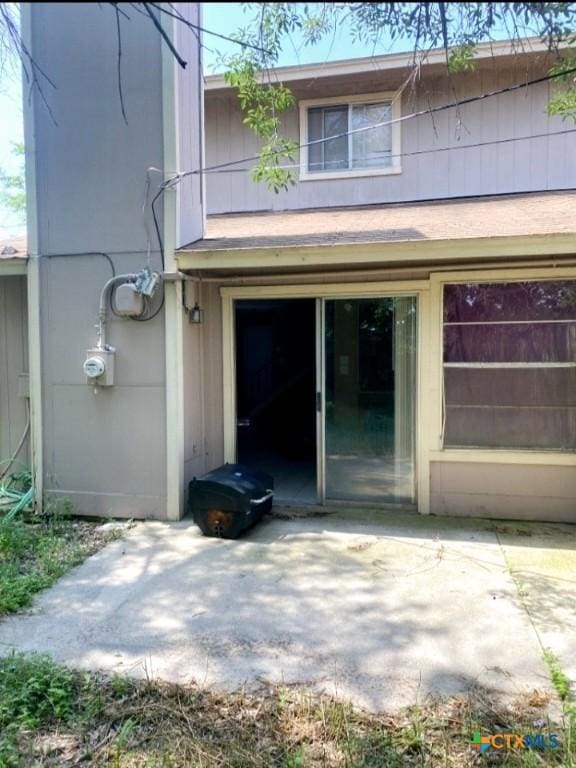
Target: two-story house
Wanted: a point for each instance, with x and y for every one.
(399, 327)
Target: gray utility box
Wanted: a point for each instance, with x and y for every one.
(229, 500)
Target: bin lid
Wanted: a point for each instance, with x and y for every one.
(238, 477)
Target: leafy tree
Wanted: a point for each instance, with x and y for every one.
(13, 186)
(456, 27)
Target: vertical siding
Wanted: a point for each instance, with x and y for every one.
(105, 449)
(13, 362)
(518, 166)
(193, 347)
(190, 224)
(203, 414)
(213, 401)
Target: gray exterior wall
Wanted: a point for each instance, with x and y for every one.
(201, 344)
(104, 450)
(188, 119)
(14, 357)
(538, 164)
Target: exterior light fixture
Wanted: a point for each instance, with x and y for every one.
(196, 314)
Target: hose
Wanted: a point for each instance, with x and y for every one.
(16, 495)
(19, 446)
(17, 492)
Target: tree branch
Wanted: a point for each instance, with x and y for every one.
(119, 64)
(164, 36)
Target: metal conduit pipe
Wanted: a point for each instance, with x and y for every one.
(104, 299)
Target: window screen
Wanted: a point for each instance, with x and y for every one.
(324, 122)
(510, 365)
(371, 148)
(365, 149)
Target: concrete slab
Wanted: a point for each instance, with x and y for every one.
(543, 562)
(382, 614)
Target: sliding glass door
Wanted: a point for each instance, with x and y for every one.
(367, 424)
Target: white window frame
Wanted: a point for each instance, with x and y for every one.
(438, 451)
(363, 98)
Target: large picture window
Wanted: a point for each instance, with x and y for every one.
(510, 365)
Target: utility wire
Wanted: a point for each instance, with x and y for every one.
(393, 121)
(183, 20)
(178, 177)
(83, 253)
(172, 183)
(157, 225)
(477, 145)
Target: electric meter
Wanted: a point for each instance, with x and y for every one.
(94, 367)
(99, 366)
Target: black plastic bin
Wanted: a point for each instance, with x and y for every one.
(229, 500)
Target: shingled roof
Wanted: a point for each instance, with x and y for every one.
(14, 248)
(538, 213)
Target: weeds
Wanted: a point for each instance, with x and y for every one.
(35, 553)
(563, 687)
(560, 680)
(53, 716)
(34, 690)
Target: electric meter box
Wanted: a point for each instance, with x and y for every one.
(128, 302)
(99, 367)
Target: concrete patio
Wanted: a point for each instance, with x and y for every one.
(383, 609)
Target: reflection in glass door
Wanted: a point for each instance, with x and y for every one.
(369, 385)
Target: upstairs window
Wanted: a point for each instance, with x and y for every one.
(341, 140)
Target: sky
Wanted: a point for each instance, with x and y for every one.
(225, 18)
(11, 130)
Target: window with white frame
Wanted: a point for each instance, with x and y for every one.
(510, 365)
(352, 135)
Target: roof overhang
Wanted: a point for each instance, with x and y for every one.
(11, 267)
(366, 64)
(339, 256)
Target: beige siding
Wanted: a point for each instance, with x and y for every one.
(202, 345)
(537, 164)
(13, 363)
(213, 403)
(520, 492)
(476, 489)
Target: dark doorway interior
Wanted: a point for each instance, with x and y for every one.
(276, 393)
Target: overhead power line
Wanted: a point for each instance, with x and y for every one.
(179, 17)
(178, 177)
(392, 121)
(509, 140)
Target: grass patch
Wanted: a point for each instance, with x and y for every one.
(562, 685)
(53, 716)
(560, 680)
(35, 552)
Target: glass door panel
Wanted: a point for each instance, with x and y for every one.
(369, 386)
